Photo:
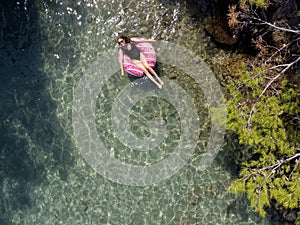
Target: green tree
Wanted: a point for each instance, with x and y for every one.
(264, 123)
(264, 109)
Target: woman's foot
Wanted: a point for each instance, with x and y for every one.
(160, 81)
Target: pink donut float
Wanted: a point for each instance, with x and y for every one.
(149, 52)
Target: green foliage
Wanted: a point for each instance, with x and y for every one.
(258, 3)
(264, 123)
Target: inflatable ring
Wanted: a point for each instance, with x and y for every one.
(147, 49)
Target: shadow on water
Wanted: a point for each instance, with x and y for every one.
(30, 131)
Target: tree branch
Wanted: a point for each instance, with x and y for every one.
(287, 66)
(282, 48)
(263, 22)
(279, 163)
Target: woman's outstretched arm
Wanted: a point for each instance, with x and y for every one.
(121, 62)
(142, 40)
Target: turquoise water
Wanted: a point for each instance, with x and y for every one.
(47, 47)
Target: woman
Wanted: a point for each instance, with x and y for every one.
(127, 46)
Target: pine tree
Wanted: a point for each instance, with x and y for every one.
(264, 110)
(275, 173)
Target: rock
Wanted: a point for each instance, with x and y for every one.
(217, 27)
(291, 217)
(286, 10)
(217, 24)
(285, 13)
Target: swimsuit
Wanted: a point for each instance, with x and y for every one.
(131, 50)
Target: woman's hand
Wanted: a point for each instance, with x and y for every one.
(122, 73)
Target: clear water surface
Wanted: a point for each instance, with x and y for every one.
(46, 46)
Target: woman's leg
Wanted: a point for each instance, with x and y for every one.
(148, 67)
(141, 65)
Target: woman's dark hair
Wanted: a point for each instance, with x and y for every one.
(127, 39)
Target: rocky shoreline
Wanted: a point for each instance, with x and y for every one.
(241, 48)
(279, 13)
